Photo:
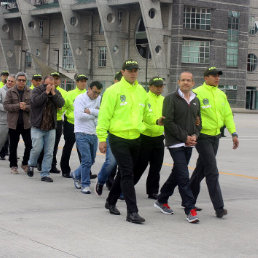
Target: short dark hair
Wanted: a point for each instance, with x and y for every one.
(48, 77)
(97, 84)
(118, 76)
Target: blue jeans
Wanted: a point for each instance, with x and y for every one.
(42, 139)
(108, 166)
(87, 145)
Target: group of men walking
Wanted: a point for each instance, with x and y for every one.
(130, 125)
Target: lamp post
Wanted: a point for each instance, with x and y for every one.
(57, 65)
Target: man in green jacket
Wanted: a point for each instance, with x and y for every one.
(152, 141)
(215, 112)
(4, 75)
(123, 109)
(68, 127)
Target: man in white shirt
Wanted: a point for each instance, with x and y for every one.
(86, 109)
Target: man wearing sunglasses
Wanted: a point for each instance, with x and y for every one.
(17, 105)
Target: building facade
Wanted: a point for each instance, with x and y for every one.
(166, 37)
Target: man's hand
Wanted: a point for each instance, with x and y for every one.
(103, 147)
(48, 88)
(53, 90)
(160, 121)
(191, 140)
(235, 142)
(87, 111)
(22, 105)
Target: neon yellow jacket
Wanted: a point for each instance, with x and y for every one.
(215, 110)
(68, 106)
(123, 108)
(1, 84)
(155, 104)
(61, 110)
(32, 87)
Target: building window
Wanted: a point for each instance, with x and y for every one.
(233, 35)
(197, 18)
(27, 60)
(251, 62)
(196, 52)
(41, 27)
(102, 57)
(253, 26)
(141, 40)
(68, 63)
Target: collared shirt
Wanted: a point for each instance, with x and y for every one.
(192, 96)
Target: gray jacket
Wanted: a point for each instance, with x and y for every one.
(3, 113)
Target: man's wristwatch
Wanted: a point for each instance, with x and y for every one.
(234, 134)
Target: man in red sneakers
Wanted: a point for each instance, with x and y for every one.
(181, 110)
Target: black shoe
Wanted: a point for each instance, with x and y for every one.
(2, 158)
(67, 175)
(30, 171)
(121, 197)
(93, 176)
(134, 217)
(98, 189)
(39, 167)
(153, 196)
(197, 208)
(221, 212)
(47, 179)
(112, 209)
(54, 170)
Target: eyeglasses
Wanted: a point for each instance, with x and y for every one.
(21, 80)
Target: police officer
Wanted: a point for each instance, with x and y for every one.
(69, 136)
(123, 108)
(215, 112)
(35, 81)
(152, 145)
(4, 75)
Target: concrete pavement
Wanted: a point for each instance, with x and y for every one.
(40, 219)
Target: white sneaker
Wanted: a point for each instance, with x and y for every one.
(86, 190)
(77, 183)
(14, 170)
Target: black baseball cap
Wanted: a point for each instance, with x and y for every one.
(36, 77)
(130, 65)
(81, 77)
(156, 81)
(55, 74)
(212, 71)
(5, 73)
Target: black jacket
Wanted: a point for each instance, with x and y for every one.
(39, 99)
(180, 118)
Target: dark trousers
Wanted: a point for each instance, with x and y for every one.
(14, 140)
(4, 150)
(179, 177)
(59, 131)
(151, 152)
(126, 153)
(207, 147)
(69, 138)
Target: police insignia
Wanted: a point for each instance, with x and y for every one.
(123, 98)
(205, 101)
